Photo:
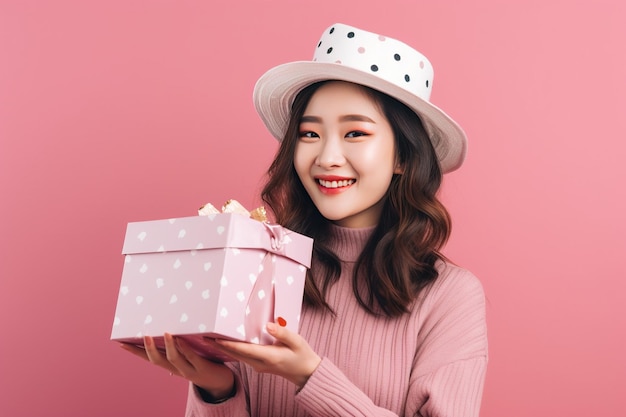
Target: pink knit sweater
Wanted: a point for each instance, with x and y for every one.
(430, 362)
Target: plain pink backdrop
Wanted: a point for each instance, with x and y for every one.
(126, 110)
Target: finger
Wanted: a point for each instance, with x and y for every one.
(282, 334)
(135, 350)
(154, 355)
(229, 347)
(213, 344)
(175, 358)
(196, 360)
(250, 353)
(242, 357)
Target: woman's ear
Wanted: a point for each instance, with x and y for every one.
(398, 169)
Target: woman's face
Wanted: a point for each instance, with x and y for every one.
(345, 155)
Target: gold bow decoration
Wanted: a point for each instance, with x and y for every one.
(234, 206)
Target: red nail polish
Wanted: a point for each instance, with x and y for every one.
(281, 322)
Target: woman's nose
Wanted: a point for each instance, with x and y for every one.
(330, 154)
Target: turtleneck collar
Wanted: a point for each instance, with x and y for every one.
(348, 243)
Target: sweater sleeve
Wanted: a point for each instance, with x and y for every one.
(448, 371)
(235, 406)
(453, 390)
(329, 393)
(450, 365)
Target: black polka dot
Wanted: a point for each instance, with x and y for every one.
(396, 57)
(426, 83)
(329, 50)
(407, 78)
(319, 44)
(332, 30)
(351, 34)
(374, 68)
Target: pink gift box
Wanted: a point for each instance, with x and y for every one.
(222, 275)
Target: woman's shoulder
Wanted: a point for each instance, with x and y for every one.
(456, 275)
(454, 285)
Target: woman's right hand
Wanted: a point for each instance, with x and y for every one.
(214, 378)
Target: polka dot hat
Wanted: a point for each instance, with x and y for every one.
(350, 54)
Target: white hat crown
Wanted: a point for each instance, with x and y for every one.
(384, 57)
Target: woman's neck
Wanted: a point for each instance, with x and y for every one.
(348, 243)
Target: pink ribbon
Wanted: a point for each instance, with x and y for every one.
(260, 305)
(261, 300)
(277, 237)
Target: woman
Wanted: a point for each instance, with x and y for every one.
(389, 326)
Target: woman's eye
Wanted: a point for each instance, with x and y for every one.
(355, 134)
(308, 135)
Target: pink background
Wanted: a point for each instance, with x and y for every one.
(127, 110)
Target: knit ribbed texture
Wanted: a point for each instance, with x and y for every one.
(430, 362)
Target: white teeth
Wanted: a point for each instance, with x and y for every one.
(335, 184)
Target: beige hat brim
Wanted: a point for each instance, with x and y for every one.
(276, 90)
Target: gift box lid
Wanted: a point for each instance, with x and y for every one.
(224, 230)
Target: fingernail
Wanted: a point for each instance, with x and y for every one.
(281, 322)
(271, 327)
(147, 341)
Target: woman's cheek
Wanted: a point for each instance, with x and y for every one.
(302, 165)
(371, 157)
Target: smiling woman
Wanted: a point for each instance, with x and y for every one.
(116, 111)
(360, 164)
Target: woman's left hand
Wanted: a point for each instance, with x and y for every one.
(290, 356)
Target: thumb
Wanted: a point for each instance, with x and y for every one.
(280, 333)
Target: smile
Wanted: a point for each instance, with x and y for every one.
(335, 184)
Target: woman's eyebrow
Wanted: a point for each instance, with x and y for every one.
(345, 118)
(355, 118)
(310, 119)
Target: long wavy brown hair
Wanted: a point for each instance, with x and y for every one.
(398, 260)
